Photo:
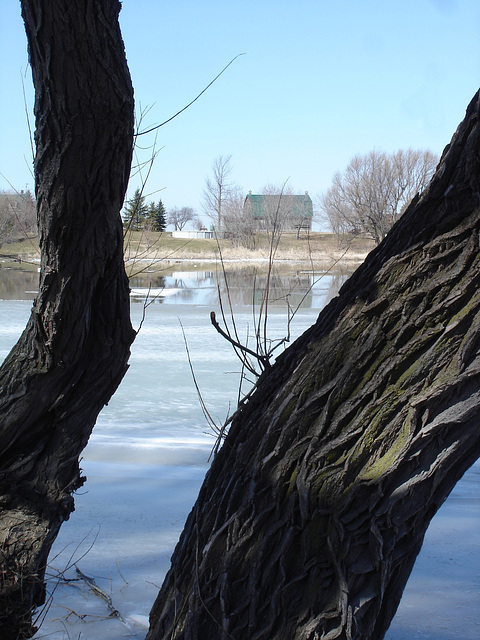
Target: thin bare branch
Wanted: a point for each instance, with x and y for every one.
(263, 360)
(211, 422)
(142, 133)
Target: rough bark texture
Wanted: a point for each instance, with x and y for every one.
(314, 510)
(74, 350)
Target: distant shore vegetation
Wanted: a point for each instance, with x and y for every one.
(145, 247)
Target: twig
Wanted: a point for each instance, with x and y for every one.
(146, 304)
(211, 422)
(261, 358)
(30, 135)
(60, 576)
(121, 575)
(142, 133)
(95, 589)
(317, 280)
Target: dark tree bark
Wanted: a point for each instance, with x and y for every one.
(74, 350)
(314, 510)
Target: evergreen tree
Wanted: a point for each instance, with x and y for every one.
(135, 212)
(161, 217)
(156, 216)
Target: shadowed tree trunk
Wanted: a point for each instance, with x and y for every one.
(313, 512)
(74, 350)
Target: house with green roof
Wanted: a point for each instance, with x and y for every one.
(280, 211)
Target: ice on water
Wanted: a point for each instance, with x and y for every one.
(146, 460)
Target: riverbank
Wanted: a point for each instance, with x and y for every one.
(153, 248)
(320, 249)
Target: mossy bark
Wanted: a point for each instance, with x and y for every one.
(313, 512)
(74, 350)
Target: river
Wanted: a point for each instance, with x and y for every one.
(149, 452)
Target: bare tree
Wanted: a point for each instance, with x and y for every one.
(179, 217)
(18, 216)
(276, 209)
(198, 224)
(276, 212)
(374, 190)
(74, 350)
(218, 189)
(239, 227)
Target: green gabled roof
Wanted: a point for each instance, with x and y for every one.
(298, 205)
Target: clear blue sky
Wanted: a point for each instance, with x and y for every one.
(320, 81)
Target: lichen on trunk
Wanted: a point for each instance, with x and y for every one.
(310, 519)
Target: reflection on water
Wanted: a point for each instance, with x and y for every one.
(240, 287)
(18, 281)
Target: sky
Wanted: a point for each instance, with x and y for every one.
(318, 82)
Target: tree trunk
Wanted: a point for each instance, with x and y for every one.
(74, 350)
(314, 510)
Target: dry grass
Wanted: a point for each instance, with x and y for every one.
(319, 247)
(25, 250)
(147, 247)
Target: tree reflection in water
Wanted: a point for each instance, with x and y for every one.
(243, 287)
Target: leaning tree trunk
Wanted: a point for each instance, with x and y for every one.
(314, 510)
(74, 350)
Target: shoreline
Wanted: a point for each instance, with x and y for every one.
(160, 249)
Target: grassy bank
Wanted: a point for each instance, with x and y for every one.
(321, 248)
(151, 247)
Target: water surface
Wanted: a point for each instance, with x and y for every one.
(149, 450)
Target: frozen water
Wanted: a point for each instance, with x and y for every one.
(146, 460)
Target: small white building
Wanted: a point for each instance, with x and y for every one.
(203, 234)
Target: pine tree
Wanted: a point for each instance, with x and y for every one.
(156, 216)
(135, 212)
(161, 219)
